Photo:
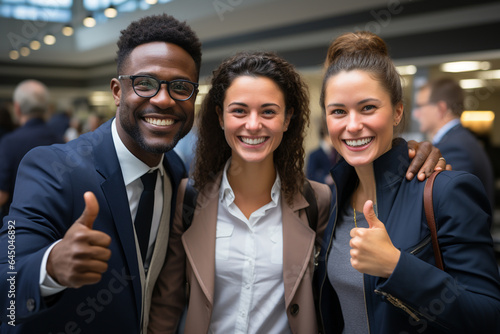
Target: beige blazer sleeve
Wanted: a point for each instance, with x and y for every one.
(169, 294)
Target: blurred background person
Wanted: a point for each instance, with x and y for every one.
(74, 130)
(6, 122)
(322, 159)
(59, 122)
(439, 105)
(31, 101)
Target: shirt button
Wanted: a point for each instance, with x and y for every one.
(294, 309)
(30, 304)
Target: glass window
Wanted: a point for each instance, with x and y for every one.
(37, 10)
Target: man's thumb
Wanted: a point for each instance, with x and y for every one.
(370, 215)
(91, 210)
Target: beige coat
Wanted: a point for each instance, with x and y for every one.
(197, 247)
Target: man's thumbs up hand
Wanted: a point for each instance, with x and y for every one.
(82, 255)
(372, 251)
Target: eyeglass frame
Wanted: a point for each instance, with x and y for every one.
(429, 103)
(161, 82)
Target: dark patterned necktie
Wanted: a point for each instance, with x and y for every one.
(145, 212)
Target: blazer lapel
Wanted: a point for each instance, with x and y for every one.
(107, 165)
(199, 240)
(298, 245)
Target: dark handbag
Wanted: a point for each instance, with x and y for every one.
(429, 215)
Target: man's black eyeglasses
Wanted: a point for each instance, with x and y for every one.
(146, 86)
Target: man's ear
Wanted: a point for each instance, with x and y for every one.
(442, 107)
(219, 112)
(116, 90)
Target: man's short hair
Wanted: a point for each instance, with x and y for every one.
(32, 97)
(158, 28)
(449, 91)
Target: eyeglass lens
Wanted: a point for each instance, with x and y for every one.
(148, 87)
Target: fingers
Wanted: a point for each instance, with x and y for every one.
(81, 256)
(370, 215)
(91, 210)
(425, 160)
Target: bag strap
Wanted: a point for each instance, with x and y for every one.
(312, 209)
(189, 204)
(429, 215)
(191, 194)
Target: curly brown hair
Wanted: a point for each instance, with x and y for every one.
(212, 150)
(158, 28)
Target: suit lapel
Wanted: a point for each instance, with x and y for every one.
(298, 244)
(107, 165)
(199, 240)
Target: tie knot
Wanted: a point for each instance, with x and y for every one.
(149, 180)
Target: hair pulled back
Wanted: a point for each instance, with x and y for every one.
(367, 52)
(212, 150)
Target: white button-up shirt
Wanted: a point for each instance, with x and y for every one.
(249, 290)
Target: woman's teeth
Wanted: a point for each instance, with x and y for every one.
(253, 141)
(358, 142)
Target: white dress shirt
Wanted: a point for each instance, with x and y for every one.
(249, 290)
(132, 170)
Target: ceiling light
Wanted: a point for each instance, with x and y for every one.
(14, 54)
(465, 66)
(493, 74)
(406, 70)
(89, 21)
(35, 45)
(151, 2)
(478, 115)
(471, 83)
(24, 51)
(479, 121)
(110, 12)
(49, 39)
(67, 30)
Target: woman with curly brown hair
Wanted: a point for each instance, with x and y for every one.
(249, 249)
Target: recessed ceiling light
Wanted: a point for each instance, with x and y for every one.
(110, 12)
(67, 30)
(471, 83)
(49, 39)
(465, 66)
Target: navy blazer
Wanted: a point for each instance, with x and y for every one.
(318, 166)
(462, 150)
(48, 198)
(418, 297)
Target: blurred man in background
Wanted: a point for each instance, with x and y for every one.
(439, 105)
(31, 102)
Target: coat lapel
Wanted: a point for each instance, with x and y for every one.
(298, 244)
(107, 165)
(199, 240)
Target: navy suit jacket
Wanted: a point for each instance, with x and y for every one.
(318, 166)
(418, 297)
(48, 198)
(462, 150)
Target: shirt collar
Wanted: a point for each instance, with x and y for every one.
(444, 130)
(226, 193)
(132, 167)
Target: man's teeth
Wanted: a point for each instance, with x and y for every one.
(156, 121)
(253, 141)
(359, 142)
